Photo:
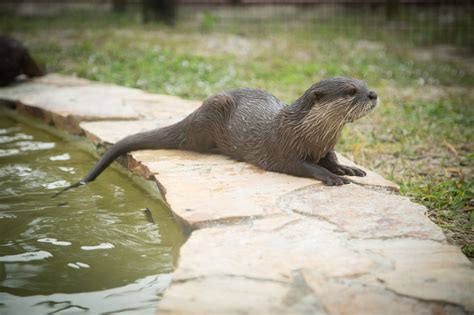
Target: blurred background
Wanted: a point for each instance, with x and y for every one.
(417, 55)
(424, 21)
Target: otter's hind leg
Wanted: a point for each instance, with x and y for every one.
(331, 163)
(210, 120)
(205, 125)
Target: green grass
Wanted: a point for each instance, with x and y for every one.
(451, 206)
(421, 136)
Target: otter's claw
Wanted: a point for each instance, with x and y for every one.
(336, 181)
(348, 170)
(352, 171)
(342, 170)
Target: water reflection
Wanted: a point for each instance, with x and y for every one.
(138, 297)
(86, 249)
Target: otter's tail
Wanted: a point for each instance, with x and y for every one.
(164, 138)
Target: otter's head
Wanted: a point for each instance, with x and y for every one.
(341, 99)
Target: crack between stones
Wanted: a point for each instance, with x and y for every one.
(282, 226)
(231, 221)
(299, 289)
(384, 287)
(424, 300)
(378, 188)
(182, 281)
(400, 237)
(321, 218)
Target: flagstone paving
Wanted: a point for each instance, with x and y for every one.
(262, 242)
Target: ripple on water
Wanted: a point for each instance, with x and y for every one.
(138, 297)
(100, 246)
(10, 192)
(6, 215)
(69, 170)
(28, 256)
(16, 137)
(61, 157)
(57, 184)
(8, 152)
(4, 131)
(78, 265)
(35, 145)
(54, 241)
(22, 170)
(73, 266)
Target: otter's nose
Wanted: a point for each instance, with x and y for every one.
(372, 95)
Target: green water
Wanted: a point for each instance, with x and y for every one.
(92, 250)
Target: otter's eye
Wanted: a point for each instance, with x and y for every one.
(351, 91)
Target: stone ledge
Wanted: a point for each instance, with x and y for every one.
(267, 243)
(296, 265)
(66, 101)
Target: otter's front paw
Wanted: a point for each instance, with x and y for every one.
(335, 181)
(351, 171)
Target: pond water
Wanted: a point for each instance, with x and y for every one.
(93, 250)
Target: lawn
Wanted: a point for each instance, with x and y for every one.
(421, 136)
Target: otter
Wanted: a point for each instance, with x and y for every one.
(15, 60)
(254, 126)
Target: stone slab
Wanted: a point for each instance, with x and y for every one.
(66, 101)
(363, 213)
(86, 101)
(441, 273)
(289, 264)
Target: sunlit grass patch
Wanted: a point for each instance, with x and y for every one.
(451, 204)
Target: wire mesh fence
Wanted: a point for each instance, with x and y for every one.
(421, 21)
(424, 24)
